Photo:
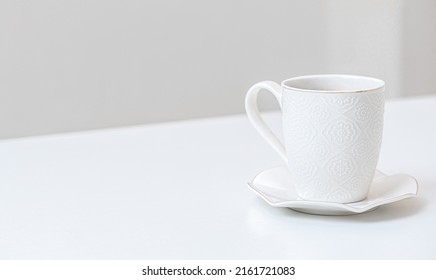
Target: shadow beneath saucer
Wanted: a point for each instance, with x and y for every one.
(388, 212)
(393, 211)
(397, 210)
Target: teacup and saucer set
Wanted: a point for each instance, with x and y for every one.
(332, 128)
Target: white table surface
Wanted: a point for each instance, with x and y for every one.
(178, 191)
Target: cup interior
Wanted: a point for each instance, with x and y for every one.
(333, 83)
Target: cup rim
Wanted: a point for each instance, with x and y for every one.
(378, 84)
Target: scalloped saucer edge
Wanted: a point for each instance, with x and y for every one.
(275, 186)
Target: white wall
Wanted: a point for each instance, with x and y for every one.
(364, 37)
(83, 64)
(419, 47)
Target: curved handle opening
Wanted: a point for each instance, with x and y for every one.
(252, 109)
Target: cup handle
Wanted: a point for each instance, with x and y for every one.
(256, 120)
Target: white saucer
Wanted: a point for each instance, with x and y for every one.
(276, 188)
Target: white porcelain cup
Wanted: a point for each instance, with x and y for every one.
(332, 127)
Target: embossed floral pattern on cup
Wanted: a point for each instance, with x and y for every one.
(340, 142)
(342, 131)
